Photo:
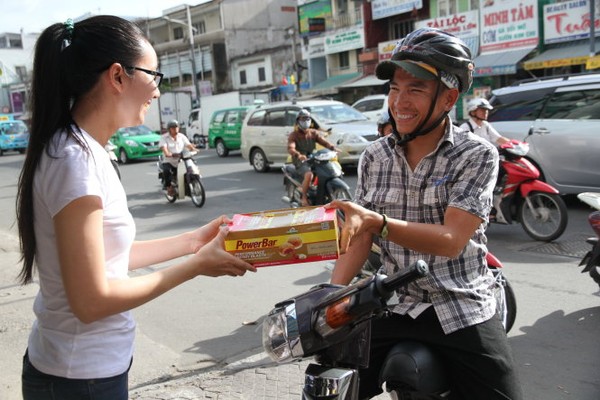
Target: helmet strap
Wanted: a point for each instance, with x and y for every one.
(401, 140)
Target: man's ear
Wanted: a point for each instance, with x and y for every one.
(451, 97)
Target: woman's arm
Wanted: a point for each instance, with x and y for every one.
(149, 252)
(92, 296)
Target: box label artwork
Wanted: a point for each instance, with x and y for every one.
(288, 236)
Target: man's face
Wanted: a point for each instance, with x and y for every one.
(410, 98)
(173, 131)
(482, 113)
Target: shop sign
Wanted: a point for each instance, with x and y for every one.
(344, 41)
(564, 22)
(385, 49)
(561, 62)
(315, 48)
(593, 63)
(388, 8)
(496, 70)
(461, 25)
(508, 25)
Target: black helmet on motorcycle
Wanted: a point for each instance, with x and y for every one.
(173, 124)
(429, 54)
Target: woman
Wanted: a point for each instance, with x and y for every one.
(89, 79)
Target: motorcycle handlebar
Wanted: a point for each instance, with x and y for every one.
(417, 270)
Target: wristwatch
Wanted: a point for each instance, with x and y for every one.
(384, 229)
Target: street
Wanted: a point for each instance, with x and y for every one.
(209, 321)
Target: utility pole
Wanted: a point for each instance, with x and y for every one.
(292, 34)
(192, 53)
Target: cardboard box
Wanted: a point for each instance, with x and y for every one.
(288, 236)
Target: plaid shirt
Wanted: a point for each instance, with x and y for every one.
(459, 173)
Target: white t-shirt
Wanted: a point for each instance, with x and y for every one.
(174, 145)
(59, 343)
(485, 131)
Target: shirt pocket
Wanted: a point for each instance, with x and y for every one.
(435, 199)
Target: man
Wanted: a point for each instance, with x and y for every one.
(426, 191)
(478, 110)
(384, 126)
(302, 142)
(172, 144)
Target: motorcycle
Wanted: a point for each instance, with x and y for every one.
(110, 149)
(331, 323)
(187, 181)
(505, 294)
(592, 259)
(521, 196)
(327, 183)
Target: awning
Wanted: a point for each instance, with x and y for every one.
(369, 80)
(562, 56)
(330, 85)
(500, 63)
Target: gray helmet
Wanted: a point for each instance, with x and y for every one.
(384, 118)
(302, 113)
(476, 103)
(173, 124)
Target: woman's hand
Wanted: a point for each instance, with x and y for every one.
(213, 260)
(358, 221)
(206, 233)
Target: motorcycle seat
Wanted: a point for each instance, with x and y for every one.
(413, 367)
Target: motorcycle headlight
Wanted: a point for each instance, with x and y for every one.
(281, 338)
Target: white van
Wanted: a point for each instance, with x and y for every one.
(194, 129)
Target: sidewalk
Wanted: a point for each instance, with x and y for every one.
(255, 377)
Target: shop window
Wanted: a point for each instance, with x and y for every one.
(178, 33)
(402, 28)
(344, 60)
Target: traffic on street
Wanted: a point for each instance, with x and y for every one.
(211, 321)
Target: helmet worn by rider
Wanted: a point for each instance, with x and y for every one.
(303, 119)
(384, 119)
(430, 53)
(173, 124)
(476, 103)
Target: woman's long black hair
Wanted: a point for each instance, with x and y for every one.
(68, 61)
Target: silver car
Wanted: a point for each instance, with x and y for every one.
(560, 119)
(266, 129)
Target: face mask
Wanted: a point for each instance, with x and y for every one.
(304, 124)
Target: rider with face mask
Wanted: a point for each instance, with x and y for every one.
(302, 142)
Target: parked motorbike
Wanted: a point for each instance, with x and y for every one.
(592, 259)
(327, 183)
(110, 149)
(187, 181)
(521, 196)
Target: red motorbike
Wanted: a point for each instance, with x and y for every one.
(592, 258)
(521, 196)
